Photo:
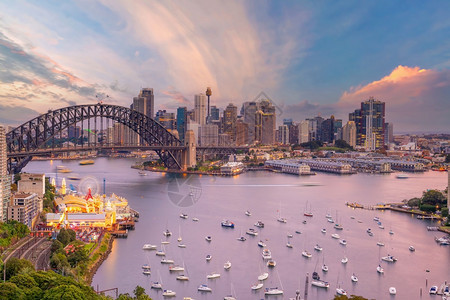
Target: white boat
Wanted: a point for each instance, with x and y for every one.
(176, 269)
(381, 226)
(167, 232)
(271, 263)
(181, 246)
(142, 173)
(330, 220)
(344, 260)
(183, 216)
(389, 258)
(282, 220)
(252, 232)
(341, 291)
(149, 247)
(259, 224)
(335, 236)
(266, 254)
(195, 219)
(306, 254)
(227, 223)
(338, 226)
(182, 277)
(325, 268)
(354, 278)
(146, 270)
(156, 285)
(160, 253)
(208, 257)
(213, 276)
(376, 219)
(318, 248)
(169, 293)
(402, 176)
(248, 213)
(324, 230)
(392, 290)
(263, 276)
(261, 244)
(412, 249)
(289, 235)
(289, 245)
(204, 288)
(328, 216)
(227, 265)
(229, 297)
(433, 290)
(381, 244)
(380, 269)
(208, 238)
(165, 242)
(343, 242)
(257, 286)
(320, 283)
(167, 261)
(241, 239)
(273, 291)
(391, 232)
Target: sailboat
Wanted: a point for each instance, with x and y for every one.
(289, 245)
(179, 234)
(339, 290)
(307, 213)
(324, 266)
(232, 295)
(157, 285)
(275, 290)
(280, 218)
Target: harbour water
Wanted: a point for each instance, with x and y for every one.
(161, 198)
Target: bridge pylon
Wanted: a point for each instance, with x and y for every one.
(189, 155)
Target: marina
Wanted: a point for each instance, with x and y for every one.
(227, 198)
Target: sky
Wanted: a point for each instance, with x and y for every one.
(309, 57)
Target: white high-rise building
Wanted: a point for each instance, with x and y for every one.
(303, 132)
(5, 182)
(349, 133)
(200, 109)
(283, 134)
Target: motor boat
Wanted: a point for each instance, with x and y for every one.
(257, 286)
(182, 277)
(183, 216)
(248, 213)
(252, 232)
(354, 278)
(263, 276)
(391, 232)
(169, 293)
(343, 242)
(160, 253)
(304, 222)
(259, 224)
(227, 223)
(241, 239)
(380, 269)
(273, 291)
(330, 220)
(381, 244)
(208, 238)
(227, 265)
(308, 214)
(412, 249)
(338, 226)
(344, 260)
(266, 254)
(195, 219)
(335, 236)
(290, 236)
(298, 232)
(271, 263)
(176, 269)
(289, 245)
(149, 247)
(167, 261)
(433, 290)
(324, 230)
(376, 219)
(229, 297)
(181, 246)
(306, 254)
(325, 268)
(392, 290)
(318, 248)
(282, 220)
(213, 276)
(389, 258)
(165, 242)
(208, 257)
(167, 233)
(261, 244)
(146, 272)
(204, 288)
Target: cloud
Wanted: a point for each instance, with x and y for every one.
(416, 99)
(16, 115)
(174, 99)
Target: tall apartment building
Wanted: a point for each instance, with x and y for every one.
(327, 130)
(241, 133)
(372, 124)
(145, 102)
(229, 121)
(32, 183)
(24, 208)
(215, 113)
(388, 133)
(248, 111)
(200, 109)
(208, 135)
(283, 134)
(303, 131)
(265, 122)
(5, 179)
(349, 133)
(356, 117)
(167, 119)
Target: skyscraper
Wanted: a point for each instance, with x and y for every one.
(388, 133)
(5, 181)
(145, 102)
(200, 109)
(182, 122)
(356, 117)
(283, 134)
(241, 133)
(229, 121)
(303, 131)
(327, 131)
(265, 123)
(372, 120)
(248, 111)
(214, 114)
(349, 133)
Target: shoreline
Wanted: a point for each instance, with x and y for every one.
(94, 268)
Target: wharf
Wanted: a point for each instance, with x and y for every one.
(419, 214)
(127, 225)
(120, 233)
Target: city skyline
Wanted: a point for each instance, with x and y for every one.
(310, 58)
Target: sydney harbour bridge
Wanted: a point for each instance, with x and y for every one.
(39, 136)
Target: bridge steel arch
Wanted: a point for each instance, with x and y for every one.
(24, 140)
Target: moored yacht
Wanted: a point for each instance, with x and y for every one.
(392, 290)
(252, 232)
(182, 277)
(213, 276)
(167, 233)
(167, 261)
(208, 257)
(261, 244)
(273, 291)
(169, 293)
(156, 285)
(176, 268)
(281, 220)
(271, 263)
(247, 213)
(257, 286)
(227, 265)
(266, 254)
(306, 254)
(389, 258)
(263, 276)
(412, 249)
(380, 269)
(335, 236)
(325, 268)
(344, 260)
(149, 247)
(354, 278)
(343, 242)
(341, 291)
(320, 283)
(259, 224)
(183, 216)
(227, 223)
(318, 248)
(204, 288)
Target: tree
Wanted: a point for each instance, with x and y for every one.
(444, 212)
(15, 266)
(342, 144)
(433, 197)
(65, 292)
(139, 291)
(9, 290)
(56, 245)
(414, 202)
(447, 159)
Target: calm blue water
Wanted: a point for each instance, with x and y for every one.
(267, 195)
